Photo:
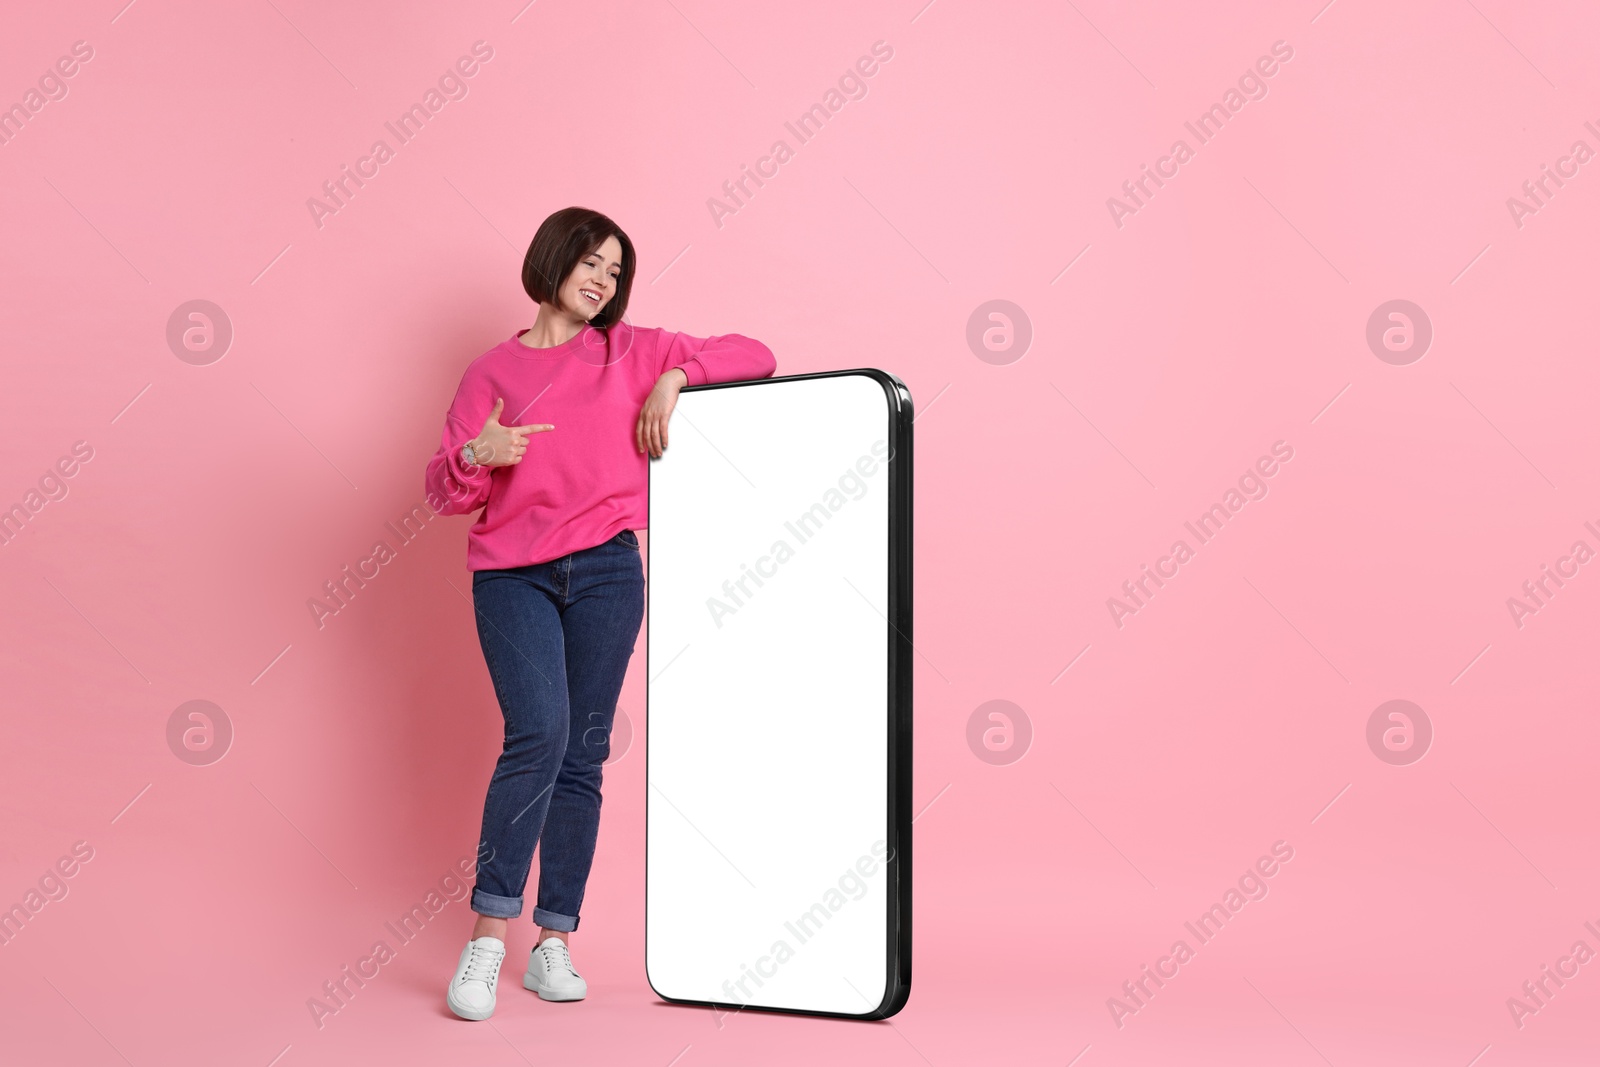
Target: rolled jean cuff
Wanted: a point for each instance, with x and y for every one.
(549, 920)
(495, 907)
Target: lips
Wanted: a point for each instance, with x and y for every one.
(590, 295)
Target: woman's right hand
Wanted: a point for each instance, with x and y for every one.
(503, 446)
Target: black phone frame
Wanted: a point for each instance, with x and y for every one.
(897, 865)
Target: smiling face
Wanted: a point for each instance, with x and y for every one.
(593, 281)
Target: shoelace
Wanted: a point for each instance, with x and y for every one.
(483, 965)
(557, 953)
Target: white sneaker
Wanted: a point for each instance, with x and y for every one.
(551, 974)
(471, 992)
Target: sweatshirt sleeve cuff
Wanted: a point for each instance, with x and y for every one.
(475, 475)
(693, 371)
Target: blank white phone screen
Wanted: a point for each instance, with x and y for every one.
(767, 732)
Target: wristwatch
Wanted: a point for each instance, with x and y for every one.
(468, 456)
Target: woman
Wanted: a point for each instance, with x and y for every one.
(548, 434)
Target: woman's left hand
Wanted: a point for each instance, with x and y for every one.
(651, 431)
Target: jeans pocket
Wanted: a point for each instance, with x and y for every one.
(629, 538)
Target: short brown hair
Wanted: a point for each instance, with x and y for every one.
(560, 245)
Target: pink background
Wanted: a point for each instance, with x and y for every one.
(1228, 313)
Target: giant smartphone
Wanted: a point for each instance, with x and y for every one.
(778, 718)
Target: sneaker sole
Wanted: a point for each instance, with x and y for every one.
(472, 1014)
(530, 982)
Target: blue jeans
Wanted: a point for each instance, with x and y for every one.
(557, 637)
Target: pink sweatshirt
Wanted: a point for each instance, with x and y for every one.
(581, 483)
